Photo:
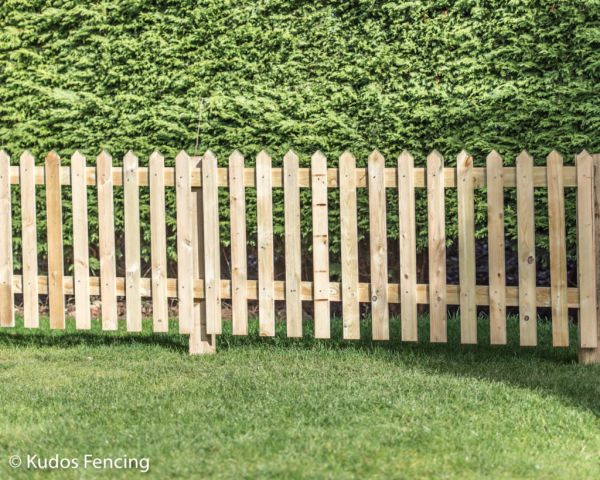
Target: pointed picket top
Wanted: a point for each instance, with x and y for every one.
(4, 156)
(290, 156)
(77, 157)
(347, 157)
(524, 156)
(405, 156)
(435, 155)
(318, 156)
(130, 157)
(376, 156)
(554, 156)
(494, 156)
(236, 156)
(182, 156)
(27, 156)
(104, 155)
(463, 158)
(156, 156)
(52, 156)
(584, 155)
(263, 155)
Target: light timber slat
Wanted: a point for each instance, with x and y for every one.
(264, 221)
(7, 311)
(466, 248)
(212, 257)
(408, 248)
(349, 247)
(54, 222)
(106, 228)
(452, 291)
(526, 251)
(158, 244)
(586, 255)
(391, 181)
(29, 241)
(200, 341)
(133, 294)
(293, 253)
(378, 248)
(320, 246)
(81, 261)
(185, 254)
(239, 263)
(558, 251)
(592, 355)
(496, 259)
(437, 247)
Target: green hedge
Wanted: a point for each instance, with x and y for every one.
(275, 74)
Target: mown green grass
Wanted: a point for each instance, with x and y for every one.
(272, 408)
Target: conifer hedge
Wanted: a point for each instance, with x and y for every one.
(278, 74)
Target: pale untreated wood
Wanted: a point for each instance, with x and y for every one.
(436, 221)
(200, 341)
(212, 256)
(391, 180)
(586, 254)
(81, 260)
(264, 224)
(320, 246)
(293, 252)
(408, 247)
(466, 247)
(349, 247)
(29, 241)
(158, 244)
(378, 248)
(106, 228)
(239, 262)
(496, 258)
(133, 294)
(592, 355)
(558, 250)
(185, 253)
(7, 311)
(526, 250)
(54, 223)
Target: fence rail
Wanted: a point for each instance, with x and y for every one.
(200, 289)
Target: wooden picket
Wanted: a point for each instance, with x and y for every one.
(200, 287)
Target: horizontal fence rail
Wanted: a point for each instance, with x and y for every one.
(200, 288)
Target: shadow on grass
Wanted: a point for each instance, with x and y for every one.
(552, 371)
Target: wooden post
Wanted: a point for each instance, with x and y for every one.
(200, 341)
(592, 355)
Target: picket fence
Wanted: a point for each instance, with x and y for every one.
(200, 289)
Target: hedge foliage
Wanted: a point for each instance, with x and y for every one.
(275, 74)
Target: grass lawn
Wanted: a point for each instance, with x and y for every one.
(272, 408)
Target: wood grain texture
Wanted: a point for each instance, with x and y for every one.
(496, 257)
(133, 294)
(586, 254)
(436, 221)
(7, 310)
(526, 250)
(212, 250)
(81, 249)
(264, 224)
(378, 248)
(320, 223)
(158, 244)
(54, 223)
(408, 247)
(185, 253)
(558, 250)
(239, 262)
(349, 247)
(293, 253)
(29, 241)
(201, 342)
